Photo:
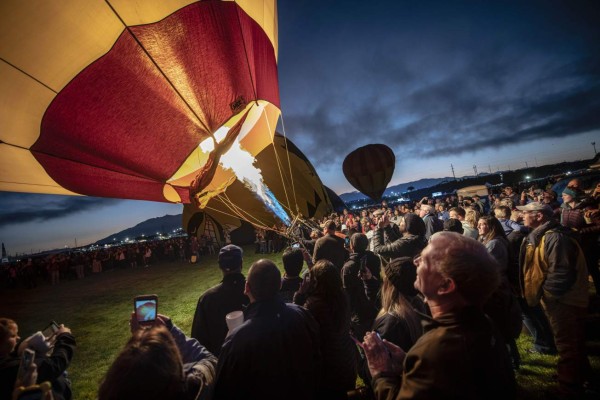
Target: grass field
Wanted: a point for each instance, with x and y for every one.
(97, 310)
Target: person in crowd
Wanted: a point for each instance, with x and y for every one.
(554, 272)
(471, 219)
(443, 214)
(209, 326)
(328, 304)
(330, 247)
(309, 244)
(573, 210)
(478, 204)
(459, 213)
(293, 261)
(398, 321)
(453, 225)
(550, 198)
(461, 354)
(502, 307)
(387, 244)
(49, 367)
(275, 353)
(503, 214)
(432, 223)
(363, 306)
(160, 363)
(510, 194)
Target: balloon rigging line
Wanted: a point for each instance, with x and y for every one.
(237, 13)
(159, 69)
(230, 215)
(283, 182)
(31, 76)
(34, 184)
(289, 162)
(246, 216)
(241, 212)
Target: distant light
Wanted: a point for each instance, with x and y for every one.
(527, 177)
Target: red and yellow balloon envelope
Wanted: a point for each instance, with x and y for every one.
(150, 100)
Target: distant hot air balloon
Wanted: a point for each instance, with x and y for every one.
(370, 168)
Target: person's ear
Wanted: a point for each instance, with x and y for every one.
(447, 287)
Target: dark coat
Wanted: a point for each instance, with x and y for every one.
(209, 326)
(460, 356)
(275, 354)
(331, 248)
(337, 348)
(406, 246)
(362, 309)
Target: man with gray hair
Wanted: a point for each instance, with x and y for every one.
(432, 223)
(553, 271)
(461, 354)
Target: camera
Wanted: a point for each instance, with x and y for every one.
(145, 308)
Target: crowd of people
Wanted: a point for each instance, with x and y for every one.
(421, 300)
(69, 265)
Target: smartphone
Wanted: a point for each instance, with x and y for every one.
(296, 246)
(146, 308)
(26, 361)
(50, 330)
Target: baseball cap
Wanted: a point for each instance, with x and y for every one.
(536, 206)
(230, 257)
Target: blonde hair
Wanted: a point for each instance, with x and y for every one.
(394, 303)
(471, 217)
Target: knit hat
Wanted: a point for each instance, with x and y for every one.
(570, 192)
(230, 257)
(402, 273)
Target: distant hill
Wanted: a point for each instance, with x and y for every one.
(397, 189)
(148, 228)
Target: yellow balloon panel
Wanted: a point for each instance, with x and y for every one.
(12, 178)
(54, 40)
(23, 102)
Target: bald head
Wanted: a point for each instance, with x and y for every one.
(264, 280)
(468, 263)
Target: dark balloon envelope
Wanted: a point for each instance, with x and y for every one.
(370, 168)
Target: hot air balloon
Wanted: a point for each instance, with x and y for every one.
(128, 99)
(239, 210)
(149, 100)
(370, 168)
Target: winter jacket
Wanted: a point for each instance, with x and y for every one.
(460, 356)
(553, 265)
(209, 326)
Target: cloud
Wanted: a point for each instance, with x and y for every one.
(496, 97)
(36, 207)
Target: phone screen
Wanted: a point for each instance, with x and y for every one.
(296, 245)
(145, 309)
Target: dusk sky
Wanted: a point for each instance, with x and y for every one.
(491, 84)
